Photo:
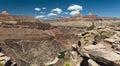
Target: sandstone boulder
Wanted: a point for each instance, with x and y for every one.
(105, 58)
(109, 40)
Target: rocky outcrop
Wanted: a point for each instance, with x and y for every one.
(105, 58)
(115, 42)
(6, 61)
(99, 57)
(101, 54)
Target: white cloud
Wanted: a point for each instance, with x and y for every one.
(52, 14)
(66, 12)
(75, 7)
(74, 12)
(37, 9)
(42, 12)
(43, 8)
(40, 16)
(45, 18)
(58, 10)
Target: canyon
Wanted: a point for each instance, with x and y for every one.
(78, 41)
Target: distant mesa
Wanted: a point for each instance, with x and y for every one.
(89, 18)
(5, 16)
(16, 21)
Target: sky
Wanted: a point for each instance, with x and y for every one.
(61, 8)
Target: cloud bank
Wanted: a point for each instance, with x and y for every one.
(37, 9)
(40, 16)
(75, 9)
(58, 10)
(52, 14)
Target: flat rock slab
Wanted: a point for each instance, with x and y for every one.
(94, 47)
(105, 57)
(117, 29)
(109, 40)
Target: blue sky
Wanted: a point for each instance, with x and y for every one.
(59, 8)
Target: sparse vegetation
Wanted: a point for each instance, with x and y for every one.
(102, 35)
(105, 34)
(91, 27)
(67, 63)
(118, 24)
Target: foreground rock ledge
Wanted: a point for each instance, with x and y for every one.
(105, 57)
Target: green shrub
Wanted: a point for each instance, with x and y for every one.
(62, 54)
(91, 27)
(67, 63)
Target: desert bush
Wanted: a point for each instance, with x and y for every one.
(91, 27)
(67, 63)
(97, 38)
(102, 35)
(105, 34)
(118, 24)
